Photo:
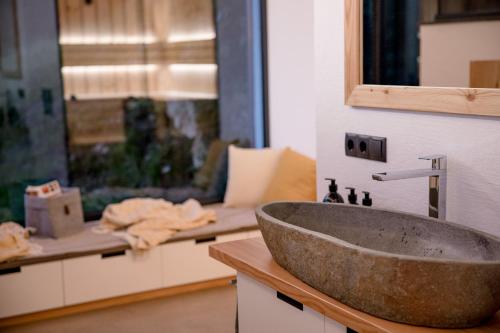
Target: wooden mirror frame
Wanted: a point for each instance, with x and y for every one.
(470, 101)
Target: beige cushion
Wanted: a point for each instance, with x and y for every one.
(295, 179)
(250, 172)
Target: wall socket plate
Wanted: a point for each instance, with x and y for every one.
(366, 146)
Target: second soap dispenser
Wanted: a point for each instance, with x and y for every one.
(352, 197)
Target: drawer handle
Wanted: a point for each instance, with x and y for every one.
(289, 300)
(12, 270)
(113, 254)
(205, 240)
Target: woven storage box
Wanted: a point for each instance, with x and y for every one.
(57, 216)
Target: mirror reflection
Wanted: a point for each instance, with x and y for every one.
(432, 43)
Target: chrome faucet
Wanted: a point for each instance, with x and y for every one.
(437, 183)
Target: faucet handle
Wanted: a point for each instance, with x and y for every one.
(438, 160)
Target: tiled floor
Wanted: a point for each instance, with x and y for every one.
(210, 310)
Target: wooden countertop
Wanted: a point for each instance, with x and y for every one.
(252, 258)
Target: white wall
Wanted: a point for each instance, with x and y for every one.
(291, 75)
(446, 51)
(471, 143)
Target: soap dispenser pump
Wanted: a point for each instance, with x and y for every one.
(333, 196)
(352, 197)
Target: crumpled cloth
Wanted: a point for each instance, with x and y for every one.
(145, 223)
(14, 242)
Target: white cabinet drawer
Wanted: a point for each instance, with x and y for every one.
(188, 261)
(102, 276)
(261, 310)
(331, 326)
(31, 288)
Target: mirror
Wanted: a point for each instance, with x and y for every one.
(434, 43)
(423, 55)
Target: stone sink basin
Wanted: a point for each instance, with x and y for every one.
(406, 268)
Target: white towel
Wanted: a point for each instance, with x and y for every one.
(14, 242)
(149, 222)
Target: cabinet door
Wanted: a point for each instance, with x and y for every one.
(30, 288)
(188, 261)
(262, 309)
(113, 274)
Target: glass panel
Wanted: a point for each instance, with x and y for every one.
(431, 43)
(116, 97)
(141, 98)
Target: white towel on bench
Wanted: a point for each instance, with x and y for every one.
(145, 223)
(14, 242)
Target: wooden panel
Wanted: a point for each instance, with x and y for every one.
(485, 102)
(135, 32)
(33, 288)
(485, 74)
(104, 22)
(188, 52)
(189, 18)
(352, 26)
(133, 18)
(89, 21)
(73, 18)
(252, 258)
(111, 276)
(118, 18)
(95, 121)
(259, 310)
(115, 301)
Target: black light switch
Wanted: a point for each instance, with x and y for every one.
(377, 149)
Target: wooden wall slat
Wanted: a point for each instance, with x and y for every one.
(110, 21)
(118, 17)
(104, 26)
(74, 18)
(89, 20)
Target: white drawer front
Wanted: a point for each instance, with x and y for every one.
(260, 310)
(33, 288)
(331, 326)
(101, 276)
(188, 261)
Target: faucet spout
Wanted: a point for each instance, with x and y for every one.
(406, 174)
(437, 182)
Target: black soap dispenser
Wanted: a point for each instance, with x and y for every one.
(367, 201)
(352, 197)
(333, 196)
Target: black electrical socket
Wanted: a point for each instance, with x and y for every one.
(366, 146)
(351, 144)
